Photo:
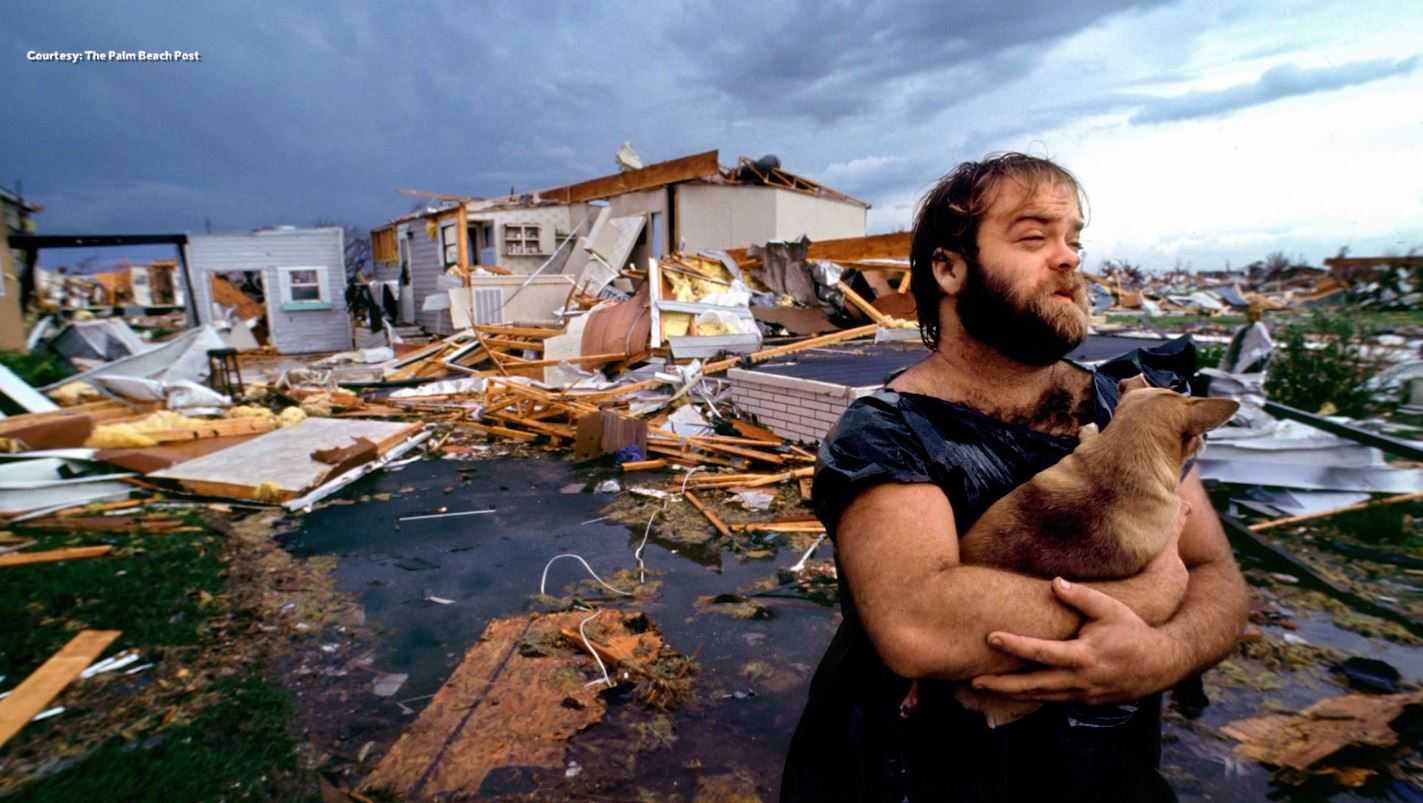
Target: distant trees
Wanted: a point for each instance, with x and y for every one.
(1123, 273)
(358, 246)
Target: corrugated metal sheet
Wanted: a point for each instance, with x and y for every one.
(292, 331)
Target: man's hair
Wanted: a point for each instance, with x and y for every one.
(949, 215)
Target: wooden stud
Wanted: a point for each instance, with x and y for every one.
(36, 691)
(1391, 500)
(53, 555)
(710, 516)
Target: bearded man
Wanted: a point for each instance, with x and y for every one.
(994, 259)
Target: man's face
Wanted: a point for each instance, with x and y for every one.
(1024, 295)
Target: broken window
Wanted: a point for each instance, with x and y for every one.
(522, 240)
(449, 244)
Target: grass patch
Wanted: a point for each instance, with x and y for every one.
(156, 588)
(229, 751)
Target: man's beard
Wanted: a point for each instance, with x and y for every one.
(1038, 331)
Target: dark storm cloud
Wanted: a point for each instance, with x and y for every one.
(303, 110)
(1274, 84)
(830, 61)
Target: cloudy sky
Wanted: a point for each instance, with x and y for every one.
(1203, 131)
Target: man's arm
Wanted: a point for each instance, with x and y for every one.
(1116, 656)
(929, 616)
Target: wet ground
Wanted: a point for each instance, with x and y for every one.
(754, 672)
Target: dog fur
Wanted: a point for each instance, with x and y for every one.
(1101, 513)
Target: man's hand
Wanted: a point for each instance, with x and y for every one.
(1116, 656)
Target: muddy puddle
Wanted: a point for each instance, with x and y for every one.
(729, 741)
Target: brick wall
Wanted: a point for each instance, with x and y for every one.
(796, 409)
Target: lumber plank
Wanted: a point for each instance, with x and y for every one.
(710, 516)
(36, 691)
(683, 456)
(518, 331)
(659, 174)
(532, 345)
(503, 432)
(792, 348)
(1287, 520)
(849, 249)
(781, 527)
(54, 555)
(643, 465)
(864, 306)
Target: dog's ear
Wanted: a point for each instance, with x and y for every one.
(1132, 383)
(1207, 414)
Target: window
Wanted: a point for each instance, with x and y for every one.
(449, 243)
(305, 285)
(522, 240)
(304, 288)
(383, 245)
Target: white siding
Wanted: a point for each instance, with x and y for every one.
(426, 268)
(712, 216)
(818, 218)
(292, 331)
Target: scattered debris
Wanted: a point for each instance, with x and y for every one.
(1305, 741)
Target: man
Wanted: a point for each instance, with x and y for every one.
(994, 259)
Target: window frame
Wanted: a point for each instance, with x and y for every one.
(288, 285)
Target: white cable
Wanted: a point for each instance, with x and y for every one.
(543, 581)
(637, 554)
(589, 645)
(800, 564)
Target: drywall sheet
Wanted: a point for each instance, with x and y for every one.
(282, 457)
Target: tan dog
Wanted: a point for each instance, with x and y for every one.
(1101, 513)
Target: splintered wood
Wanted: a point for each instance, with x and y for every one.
(513, 701)
(1305, 741)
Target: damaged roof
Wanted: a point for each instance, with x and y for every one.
(704, 167)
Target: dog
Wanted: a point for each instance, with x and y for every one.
(1101, 513)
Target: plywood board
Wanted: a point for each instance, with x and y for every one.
(501, 707)
(283, 457)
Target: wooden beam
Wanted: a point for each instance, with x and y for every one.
(792, 348)
(518, 331)
(850, 249)
(710, 516)
(514, 344)
(661, 174)
(503, 432)
(36, 691)
(1373, 503)
(864, 306)
(54, 555)
(643, 465)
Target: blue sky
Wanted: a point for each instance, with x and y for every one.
(1203, 131)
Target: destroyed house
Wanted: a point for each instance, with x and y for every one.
(688, 204)
(17, 215)
(295, 276)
